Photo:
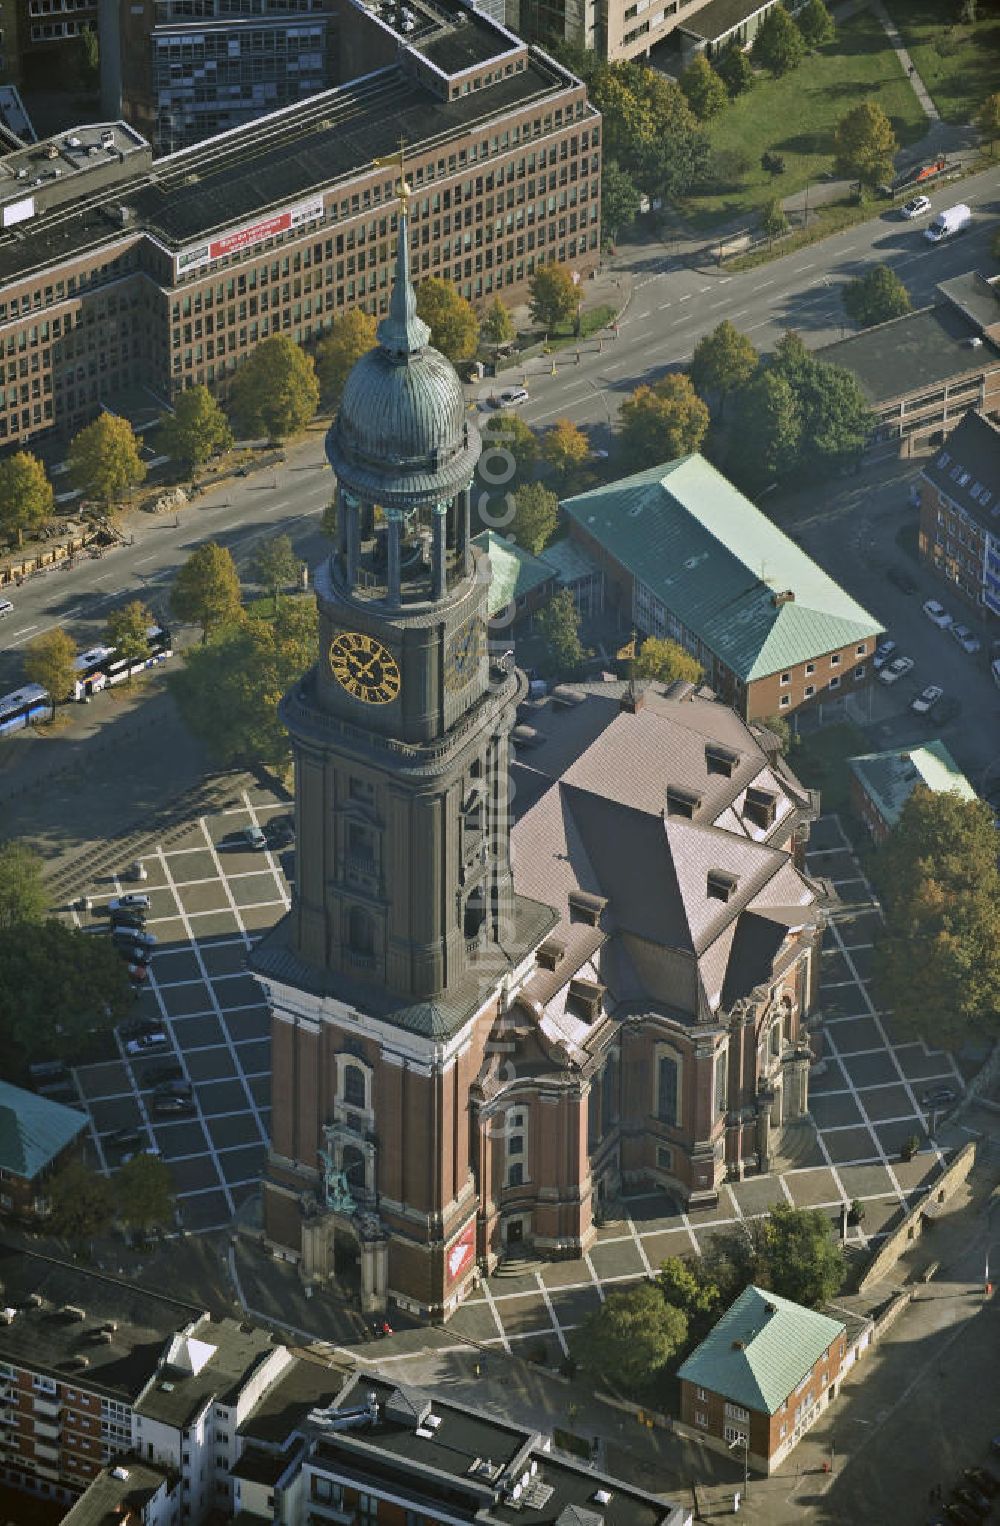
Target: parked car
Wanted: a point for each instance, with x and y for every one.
(926, 699)
(973, 1499)
(883, 652)
(147, 1044)
(137, 1026)
(45, 1071)
(134, 953)
(902, 579)
(945, 710)
(915, 207)
(937, 614)
(983, 1479)
(149, 1149)
(280, 832)
(132, 902)
(967, 639)
(136, 920)
(937, 1096)
(137, 935)
(255, 837)
(896, 670)
(137, 973)
(159, 1073)
(173, 1089)
(180, 1106)
(126, 1136)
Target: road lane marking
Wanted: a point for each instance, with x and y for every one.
(688, 297)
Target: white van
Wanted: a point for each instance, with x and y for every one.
(949, 222)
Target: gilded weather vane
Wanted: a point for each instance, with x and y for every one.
(398, 162)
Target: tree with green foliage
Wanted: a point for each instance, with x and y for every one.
(22, 890)
(619, 200)
(228, 692)
(773, 222)
(507, 434)
(706, 93)
(558, 624)
(566, 449)
(536, 516)
(81, 1203)
(196, 430)
(54, 986)
(49, 660)
(276, 565)
(797, 1255)
(88, 57)
(735, 69)
(665, 662)
(629, 1339)
(864, 145)
(778, 44)
(662, 422)
(938, 954)
(554, 297)
(766, 432)
(26, 497)
(688, 1285)
(876, 296)
(497, 326)
(816, 24)
(206, 589)
(144, 1194)
(835, 420)
(723, 361)
(988, 119)
(338, 352)
(276, 390)
(104, 460)
(128, 631)
(649, 128)
(780, 727)
(451, 319)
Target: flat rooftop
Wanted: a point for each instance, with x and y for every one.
(718, 17)
(115, 1492)
(242, 174)
(303, 1386)
(923, 349)
(976, 295)
(450, 35)
(212, 1362)
(42, 1338)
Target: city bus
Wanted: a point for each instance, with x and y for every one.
(25, 708)
(100, 666)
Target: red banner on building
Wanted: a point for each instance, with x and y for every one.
(462, 1252)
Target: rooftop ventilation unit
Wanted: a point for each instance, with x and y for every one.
(603, 1497)
(786, 596)
(35, 1300)
(119, 1472)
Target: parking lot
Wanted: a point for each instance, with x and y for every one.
(210, 896)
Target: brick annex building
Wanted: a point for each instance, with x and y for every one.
(125, 279)
(476, 1033)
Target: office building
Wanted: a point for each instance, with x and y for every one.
(960, 513)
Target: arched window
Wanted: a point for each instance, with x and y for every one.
(776, 1037)
(361, 931)
(666, 1089)
(354, 1086)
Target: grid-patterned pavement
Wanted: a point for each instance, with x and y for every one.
(212, 895)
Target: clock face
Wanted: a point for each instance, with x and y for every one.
(465, 652)
(365, 668)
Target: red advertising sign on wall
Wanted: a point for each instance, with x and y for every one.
(253, 233)
(462, 1252)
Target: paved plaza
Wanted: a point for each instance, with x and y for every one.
(212, 896)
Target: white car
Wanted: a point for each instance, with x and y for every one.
(883, 652)
(925, 700)
(510, 397)
(938, 615)
(896, 670)
(967, 639)
(255, 837)
(147, 1043)
(916, 208)
(129, 903)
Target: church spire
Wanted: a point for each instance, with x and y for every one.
(401, 333)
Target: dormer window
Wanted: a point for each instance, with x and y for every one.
(682, 802)
(585, 907)
(760, 806)
(721, 760)
(584, 998)
(550, 953)
(721, 884)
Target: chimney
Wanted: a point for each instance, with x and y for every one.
(787, 596)
(632, 700)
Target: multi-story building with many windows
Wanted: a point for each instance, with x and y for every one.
(960, 512)
(123, 276)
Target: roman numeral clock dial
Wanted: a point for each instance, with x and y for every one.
(365, 668)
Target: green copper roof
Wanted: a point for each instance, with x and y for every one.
(760, 1350)
(891, 777)
(515, 572)
(717, 563)
(33, 1130)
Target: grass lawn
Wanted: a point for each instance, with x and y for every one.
(820, 761)
(796, 116)
(960, 65)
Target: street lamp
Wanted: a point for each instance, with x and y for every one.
(744, 1442)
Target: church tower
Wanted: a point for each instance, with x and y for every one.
(404, 932)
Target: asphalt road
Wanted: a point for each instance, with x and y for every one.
(673, 305)
(240, 514)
